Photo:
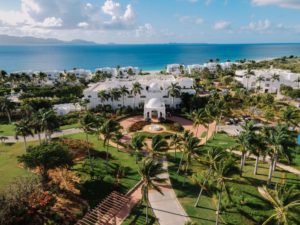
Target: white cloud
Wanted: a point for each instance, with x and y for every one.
(260, 25)
(293, 4)
(145, 30)
(222, 25)
(52, 22)
(83, 24)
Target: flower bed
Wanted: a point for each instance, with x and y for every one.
(138, 126)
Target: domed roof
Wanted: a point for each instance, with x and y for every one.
(154, 103)
(154, 86)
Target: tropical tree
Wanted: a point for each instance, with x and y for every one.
(248, 75)
(259, 79)
(103, 96)
(174, 91)
(290, 116)
(46, 157)
(278, 142)
(190, 146)
(136, 89)
(42, 76)
(23, 129)
(284, 200)
(115, 94)
(185, 138)
(49, 122)
(159, 144)
(298, 81)
(124, 91)
(3, 75)
(117, 138)
(36, 124)
(200, 117)
(258, 149)
(108, 130)
(176, 142)
(136, 144)
(150, 171)
(275, 77)
(7, 106)
(222, 173)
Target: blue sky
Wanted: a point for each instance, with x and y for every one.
(154, 21)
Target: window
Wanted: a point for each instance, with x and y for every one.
(143, 96)
(165, 96)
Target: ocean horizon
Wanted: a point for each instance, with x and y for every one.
(145, 56)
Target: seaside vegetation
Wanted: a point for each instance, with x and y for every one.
(215, 182)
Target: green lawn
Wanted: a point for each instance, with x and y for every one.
(9, 167)
(138, 216)
(9, 129)
(96, 189)
(250, 208)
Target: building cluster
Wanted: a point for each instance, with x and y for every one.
(154, 94)
(177, 69)
(267, 80)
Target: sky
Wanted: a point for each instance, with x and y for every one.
(154, 21)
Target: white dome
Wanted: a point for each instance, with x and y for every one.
(154, 87)
(154, 103)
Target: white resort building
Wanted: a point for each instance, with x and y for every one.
(267, 80)
(154, 95)
(175, 69)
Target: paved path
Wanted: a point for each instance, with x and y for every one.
(166, 207)
(12, 139)
(280, 165)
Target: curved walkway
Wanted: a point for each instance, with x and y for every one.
(166, 207)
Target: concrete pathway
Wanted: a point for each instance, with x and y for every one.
(166, 207)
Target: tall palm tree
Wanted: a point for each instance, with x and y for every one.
(115, 94)
(174, 91)
(248, 75)
(49, 122)
(278, 141)
(150, 171)
(290, 116)
(36, 124)
(275, 77)
(211, 158)
(136, 89)
(258, 149)
(221, 107)
(176, 142)
(23, 129)
(124, 91)
(103, 96)
(191, 146)
(185, 138)
(117, 138)
(260, 79)
(42, 76)
(283, 201)
(136, 144)
(108, 130)
(199, 117)
(159, 144)
(7, 106)
(221, 175)
(87, 123)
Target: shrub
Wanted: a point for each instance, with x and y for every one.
(138, 126)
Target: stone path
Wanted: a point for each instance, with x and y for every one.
(166, 207)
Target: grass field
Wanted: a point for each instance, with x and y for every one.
(251, 208)
(9, 167)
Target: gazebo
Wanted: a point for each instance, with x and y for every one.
(154, 108)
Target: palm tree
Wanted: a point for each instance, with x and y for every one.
(174, 91)
(175, 141)
(278, 141)
(49, 122)
(87, 123)
(23, 129)
(159, 144)
(290, 116)
(150, 171)
(36, 124)
(115, 94)
(103, 96)
(211, 158)
(124, 91)
(7, 106)
(275, 77)
(108, 130)
(248, 75)
(42, 76)
(136, 144)
(260, 79)
(117, 139)
(3, 75)
(221, 175)
(136, 89)
(199, 117)
(190, 147)
(185, 137)
(221, 107)
(283, 201)
(258, 149)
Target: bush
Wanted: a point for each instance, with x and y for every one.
(138, 126)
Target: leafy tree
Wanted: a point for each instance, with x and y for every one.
(284, 200)
(176, 141)
(150, 171)
(159, 144)
(124, 91)
(200, 117)
(23, 129)
(7, 106)
(290, 116)
(49, 122)
(136, 89)
(103, 96)
(46, 157)
(115, 94)
(136, 144)
(174, 91)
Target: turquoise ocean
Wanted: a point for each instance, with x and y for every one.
(147, 57)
